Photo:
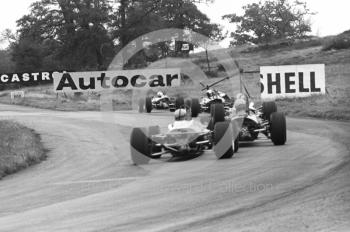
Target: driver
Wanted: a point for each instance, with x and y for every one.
(210, 93)
(183, 120)
(160, 94)
(180, 114)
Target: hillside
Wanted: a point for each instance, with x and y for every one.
(334, 105)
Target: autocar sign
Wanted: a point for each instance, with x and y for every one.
(290, 81)
(121, 79)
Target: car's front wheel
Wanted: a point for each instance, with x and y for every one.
(224, 144)
(139, 146)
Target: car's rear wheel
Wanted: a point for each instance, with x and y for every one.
(217, 112)
(195, 107)
(139, 146)
(223, 140)
(268, 108)
(141, 105)
(148, 104)
(179, 102)
(278, 128)
(188, 103)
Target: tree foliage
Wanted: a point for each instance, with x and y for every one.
(6, 64)
(72, 32)
(86, 34)
(140, 17)
(269, 21)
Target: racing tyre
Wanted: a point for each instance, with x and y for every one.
(188, 103)
(154, 130)
(148, 104)
(223, 140)
(278, 128)
(141, 105)
(210, 125)
(268, 108)
(218, 113)
(235, 149)
(180, 102)
(195, 107)
(139, 147)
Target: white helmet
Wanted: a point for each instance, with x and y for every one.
(240, 105)
(160, 94)
(180, 114)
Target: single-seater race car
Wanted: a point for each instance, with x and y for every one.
(160, 101)
(214, 96)
(186, 136)
(265, 120)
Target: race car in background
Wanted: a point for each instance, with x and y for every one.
(186, 136)
(160, 101)
(213, 96)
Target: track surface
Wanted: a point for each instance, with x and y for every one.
(88, 183)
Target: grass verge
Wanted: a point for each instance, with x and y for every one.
(20, 147)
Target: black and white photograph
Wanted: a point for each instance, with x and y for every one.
(174, 115)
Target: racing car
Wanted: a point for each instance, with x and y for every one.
(214, 96)
(265, 120)
(186, 136)
(160, 101)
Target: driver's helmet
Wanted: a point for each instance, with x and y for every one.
(210, 93)
(160, 94)
(240, 106)
(180, 114)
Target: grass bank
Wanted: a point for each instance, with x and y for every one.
(334, 105)
(20, 147)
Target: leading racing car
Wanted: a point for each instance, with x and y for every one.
(186, 136)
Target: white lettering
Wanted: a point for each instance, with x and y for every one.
(45, 76)
(15, 78)
(25, 77)
(35, 76)
(4, 78)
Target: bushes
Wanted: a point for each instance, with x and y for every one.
(341, 41)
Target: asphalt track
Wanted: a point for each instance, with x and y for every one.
(88, 183)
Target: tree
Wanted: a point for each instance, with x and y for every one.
(6, 64)
(271, 20)
(85, 34)
(138, 17)
(72, 32)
